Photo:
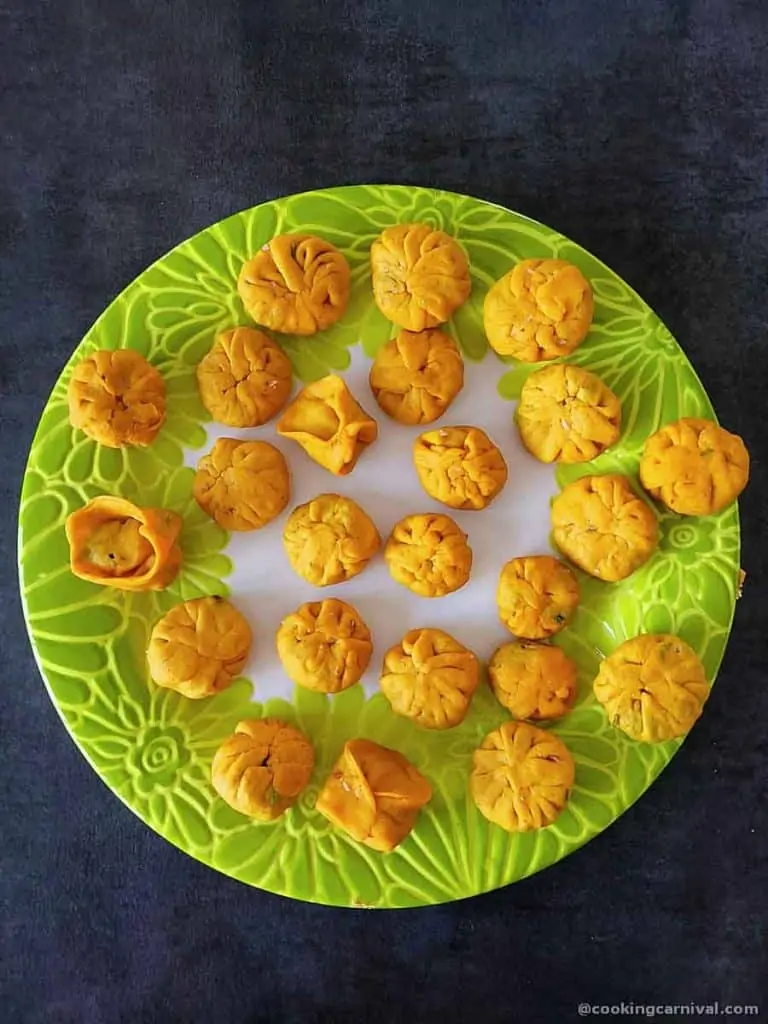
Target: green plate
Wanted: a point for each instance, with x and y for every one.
(154, 748)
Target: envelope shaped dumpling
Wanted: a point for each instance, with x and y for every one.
(118, 544)
(539, 310)
(536, 595)
(430, 678)
(329, 424)
(531, 680)
(653, 687)
(330, 539)
(374, 794)
(567, 414)
(199, 647)
(324, 646)
(420, 275)
(459, 466)
(522, 777)
(263, 767)
(117, 398)
(243, 485)
(417, 375)
(694, 466)
(429, 554)
(295, 284)
(601, 525)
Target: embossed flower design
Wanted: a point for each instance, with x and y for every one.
(156, 758)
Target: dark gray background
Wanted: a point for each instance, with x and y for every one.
(639, 129)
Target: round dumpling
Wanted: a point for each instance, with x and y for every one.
(330, 539)
(537, 595)
(117, 398)
(243, 485)
(429, 554)
(536, 681)
(430, 678)
(420, 275)
(603, 527)
(459, 466)
(567, 414)
(324, 646)
(653, 687)
(694, 467)
(417, 375)
(262, 768)
(295, 284)
(199, 647)
(522, 777)
(541, 309)
(245, 379)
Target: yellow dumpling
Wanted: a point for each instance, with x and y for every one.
(295, 284)
(534, 681)
(653, 687)
(429, 554)
(601, 525)
(324, 646)
(243, 485)
(459, 466)
(417, 375)
(199, 647)
(522, 777)
(541, 309)
(694, 467)
(420, 275)
(330, 539)
(329, 424)
(430, 678)
(537, 595)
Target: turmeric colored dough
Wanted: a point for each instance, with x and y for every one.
(324, 646)
(428, 554)
(117, 398)
(243, 485)
(331, 427)
(262, 768)
(522, 777)
(330, 539)
(541, 309)
(536, 596)
(245, 379)
(652, 687)
(295, 284)
(118, 544)
(694, 467)
(430, 678)
(374, 794)
(601, 525)
(567, 414)
(199, 647)
(417, 375)
(459, 466)
(420, 275)
(534, 681)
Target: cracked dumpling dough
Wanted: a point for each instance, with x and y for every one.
(324, 646)
(532, 680)
(602, 526)
(243, 485)
(117, 398)
(329, 424)
(263, 767)
(420, 275)
(199, 647)
(429, 554)
(522, 777)
(652, 687)
(694, 466)
(567, 414)
(536, 595)
(295, 284)
(374, 794)
(539, 310)
(459, 466)
(430, 678)
(245, 379)
(330, 539)
(417, 375)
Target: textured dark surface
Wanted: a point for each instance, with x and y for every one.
(638, 127)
